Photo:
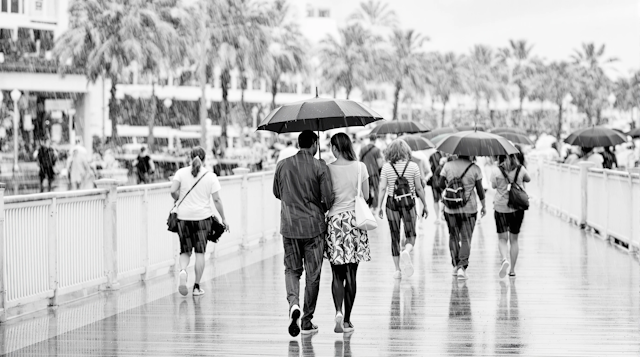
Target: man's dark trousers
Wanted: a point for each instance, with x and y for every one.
(307, 253)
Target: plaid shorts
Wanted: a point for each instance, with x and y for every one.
(193, 234)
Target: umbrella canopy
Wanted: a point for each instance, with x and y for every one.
(595, 136)
(470, 128)
(635, 133)
(399, 127)
(436, 140)
(508, 130)
(516, 138)
(435, 132)
(476, 143)
(318, 114)
(417, 143)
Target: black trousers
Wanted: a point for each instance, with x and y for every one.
(343, 287)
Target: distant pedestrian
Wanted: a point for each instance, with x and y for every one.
(588, 154)
(303, 186)
(47, 158)
(145, 166)
(610, 160)
(288, 151)
(346, 245)
(78, 168)
(434, 182)
(372, 157)
(194, 187)
(461, 215)
(508, 219)
(400, 182)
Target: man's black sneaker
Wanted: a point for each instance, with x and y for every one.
(309, 330)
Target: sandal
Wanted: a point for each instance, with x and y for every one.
(512, 274)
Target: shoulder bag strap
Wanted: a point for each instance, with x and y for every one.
(366, 152)
(192, 187)
(359, 184)
(506, 177)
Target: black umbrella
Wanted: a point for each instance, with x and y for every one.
(416, 142)
(595, 136)
(436, 140)
(470, 127)
(398, 127)
(508, 130)
(476, 143)
(635, 133)
(435, 132)
(516, 138)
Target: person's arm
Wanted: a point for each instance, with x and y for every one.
(276, 182)
(365, 181)
(494, 180)
(525, 176)
(480, 191)
(382, 192)
(380, 161)
(175, 189)
(443, 179)
(217, 201)
(326, 187)
(420, 192)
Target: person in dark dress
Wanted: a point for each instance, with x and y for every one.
(372, 157)
(145, 166)
(46, 160)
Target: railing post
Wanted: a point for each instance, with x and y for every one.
(244, 205)
(632, 211)
(584, 170)
(144, 234)
(3, 292)
(263, 220)
(53, 251)
(110, 232)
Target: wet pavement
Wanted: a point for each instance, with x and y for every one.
(574, 295)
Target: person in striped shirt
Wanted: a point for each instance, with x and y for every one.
(398, 156)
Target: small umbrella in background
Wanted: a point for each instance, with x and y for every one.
(595, 136)
(435, 132)
(508, 130)
(399, 127)
(470, 128)
(476, 143)
(516, 138)
(436, 140)
(635, 133)
(417, 143)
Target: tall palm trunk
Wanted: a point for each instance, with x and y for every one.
(396, 98)
(559, 132)
(225, 78)
(152, 117)
(444, 107)
(274, 92)
(113, 107)
(203, 88)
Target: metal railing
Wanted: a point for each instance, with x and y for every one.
(60, 246)
(605, 200)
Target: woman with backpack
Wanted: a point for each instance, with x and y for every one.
(458, 178)
(508, 218)
(400, 182)
(345, 245)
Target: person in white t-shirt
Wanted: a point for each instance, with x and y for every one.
(192, 188)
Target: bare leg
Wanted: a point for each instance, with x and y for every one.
(184, 260)
(503, 238)
(436, 209)
(408, 247)
(199, 266)
(396, 261)
(515, 249)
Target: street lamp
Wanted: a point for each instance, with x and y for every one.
(15, 96)
(167, 103)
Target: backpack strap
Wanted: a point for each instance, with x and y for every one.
(465, 171)
(394, 169)
(405, 167)
(506, 177)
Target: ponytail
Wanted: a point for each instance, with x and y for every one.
(197, 155)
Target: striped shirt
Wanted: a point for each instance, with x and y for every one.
(389, 176)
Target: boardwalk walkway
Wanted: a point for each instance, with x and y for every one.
(575, 295)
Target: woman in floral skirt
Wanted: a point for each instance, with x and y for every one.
(346, 245)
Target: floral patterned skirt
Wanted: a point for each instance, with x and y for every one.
(345, 243)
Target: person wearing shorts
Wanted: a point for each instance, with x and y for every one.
(192, 188)
(508, 220)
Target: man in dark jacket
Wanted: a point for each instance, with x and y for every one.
(303, 185)
(372, 157)
(47, 161)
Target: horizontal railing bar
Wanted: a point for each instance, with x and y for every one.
(50, 195)
(151, 186)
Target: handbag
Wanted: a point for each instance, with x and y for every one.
(364, 218)
(518, 198)
(172, 221)
(216, 231)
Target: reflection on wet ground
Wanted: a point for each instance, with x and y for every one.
(574, 295)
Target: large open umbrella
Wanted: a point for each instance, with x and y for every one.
(516, 138)
(595, 136)
(435, 132)
(438, 138)
(417, 143)
(508, 130)
(635, 133)
(476, 143)
(470, 127)
(399, 127)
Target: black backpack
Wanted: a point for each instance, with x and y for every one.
(454, 196)
(402, 197)
(518, 198)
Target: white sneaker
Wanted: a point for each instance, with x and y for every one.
(339, 323)
(198, 291)
(294, 320)
(405, 264)
(182, 288)
(462, 274)
(397, 274)
(504, 268)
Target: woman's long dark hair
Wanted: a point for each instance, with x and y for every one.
(197, 157)
(508, 163)
(342, 143)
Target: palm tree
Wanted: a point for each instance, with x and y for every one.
(447, 77)
(627, 92)
(554, 83)
(594, 86)
(403, 65)
(517, 57)
(287, 48)
(347, 61)
(481, 80)
(375, 13)
(105, 36)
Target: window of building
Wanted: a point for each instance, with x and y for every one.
(310, 12)
(324, 13)
(5, 6)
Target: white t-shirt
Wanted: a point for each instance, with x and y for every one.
(344, 179)
(198, 204)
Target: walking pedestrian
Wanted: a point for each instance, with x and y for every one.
(434, 182)
(508, 219)
(78, 168)
(303, 186)
(46, 157)
(588, 154)
(346, 245)
(144, 166)
(400, 182)
(461, 218)
(610, 160)
(372, 157)
(193, 187)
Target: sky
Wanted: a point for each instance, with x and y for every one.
(555, 27)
